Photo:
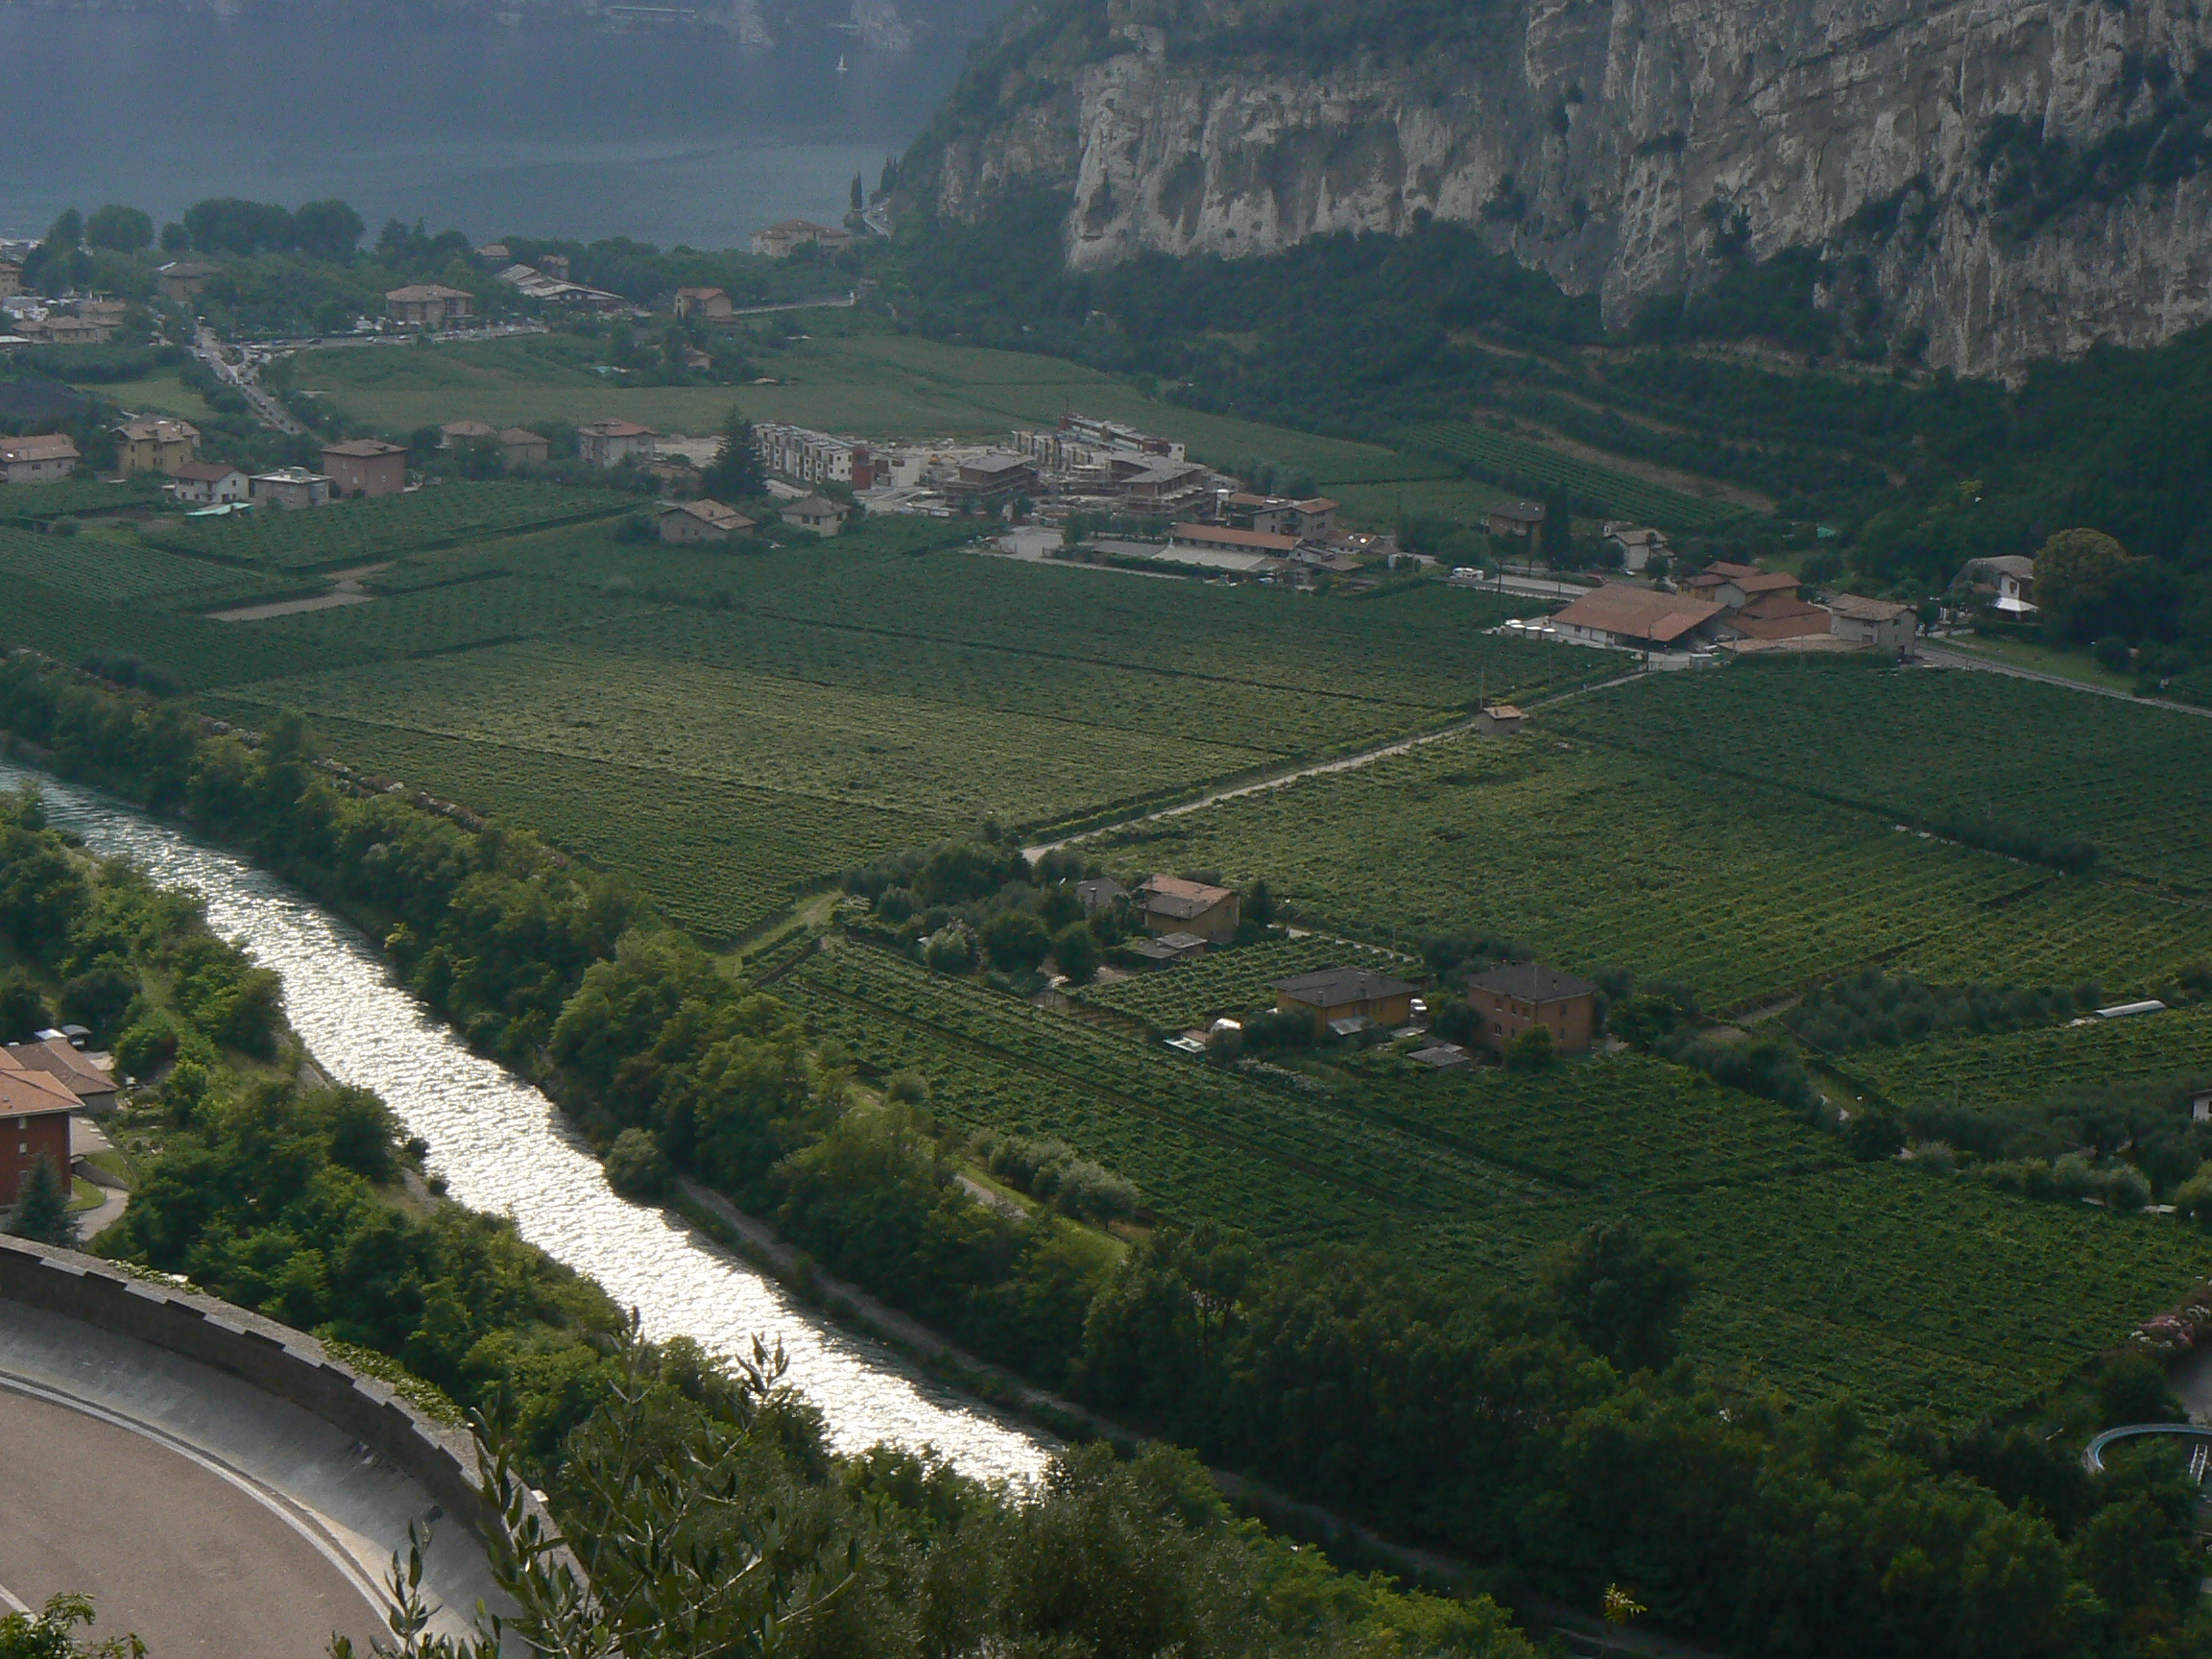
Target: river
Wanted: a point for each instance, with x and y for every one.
(667, 136)
(503, 1148)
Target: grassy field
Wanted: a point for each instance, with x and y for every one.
(1817, 1273)
(2068, 662)
(157, 393)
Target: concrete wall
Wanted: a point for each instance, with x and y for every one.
(274, 1359)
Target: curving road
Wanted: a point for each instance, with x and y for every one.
(2093, 1457)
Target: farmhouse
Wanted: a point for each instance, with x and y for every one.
(1637, 619)
(1222, 538)
(366, 467)
(523, 448)
(1635, 546)
(156, 446)
(183, 279)
(292, 488)
(815, 512)
(33, 1124)
(1335, 995)
(1882, 623)
(45, 459)
(1098, 893)
(1733, 587)
(781, 241)
(1509, 1000)
(207, 483)
(692, 523)
(1172, 906)
(427, 304)
(2006, 583)
(1518, 520)
(711, 304)
(610, 443)
(1777, 615)
(455, 432)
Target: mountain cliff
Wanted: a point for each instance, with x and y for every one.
(1983, 183)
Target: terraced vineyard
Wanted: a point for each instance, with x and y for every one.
(2135, 780)
(2016, 1068)
(1817, 1273)
(362, 532)
(1518, 462)
(1228, 982)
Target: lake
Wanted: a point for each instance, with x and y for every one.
(665, 135)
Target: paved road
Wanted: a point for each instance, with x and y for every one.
(194, 1558)
(209, 350)
(1938, 655)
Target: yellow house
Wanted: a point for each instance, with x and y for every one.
(156, 446)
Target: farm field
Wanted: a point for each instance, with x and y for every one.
(114, 568)
(2016, 1068)
(40, 503)
(161, 393)
(1817, 1273)
(1590, 859)
(1227, 982)
(2136, 780)
(1506, 457)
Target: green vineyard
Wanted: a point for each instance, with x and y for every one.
(1229, 983)
(357, 532)
(1532, 466)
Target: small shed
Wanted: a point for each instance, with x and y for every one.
(1499, 720)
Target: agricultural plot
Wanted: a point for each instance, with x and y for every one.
(1519, 461)
(110, 569)
(2018, 1067)
(42, 503)
(362, 532)
(1817, 1273)
(1591, 859)
(2135, 780)
(1228, 983)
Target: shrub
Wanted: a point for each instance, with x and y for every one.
(1532, 1050)
(1016, 939)
(950, 949)
(636, 1166)
(1077, 951)
(148, 1044)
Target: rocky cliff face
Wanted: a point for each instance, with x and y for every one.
(2014, 178)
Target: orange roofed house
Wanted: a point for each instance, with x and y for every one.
(366, 467)
(610, 443)
(1172, 906)
(34, 1111)
(1638, 618)
(1509, 1001)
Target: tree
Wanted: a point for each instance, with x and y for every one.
(42, 1208)
(1016, 939)
(1260, 904)
(328, 230)
(735, 473)
(67, 230)
(860, 194)
(227, 225)
(46, 1634)
(119, 230)
(1557, 536)
(636, 1166)
(1622, 1293)
(1076, 948)
(175, 238)
(2076, 572)
(1532, 1050)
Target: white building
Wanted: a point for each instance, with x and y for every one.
(292, 488)
(812, 457)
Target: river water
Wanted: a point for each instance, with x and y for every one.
(504, 1149)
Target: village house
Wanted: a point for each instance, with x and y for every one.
(495, 253)
(781, 241)
(1172, 906)
(34, 1112)
(1634, 544)
(1100, 893)
(1733, 587)
(58, 1058)
(183, 279)
(1345, 1000)
(156, 446)
(208, 484)
(815, 512)
(11, 278)
(70, 331)
(1509, 1000)
(46, 458)
(610, 443)
(691, 522)
(458, 432)
(2007, 584)
(366, 467)
(427, 305)
(1519, 520)
(1637, 619)
(710, 303)
(1882, 623)
(524, 447)
(291, 487)
(1316, 517)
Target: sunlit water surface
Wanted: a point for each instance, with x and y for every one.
(503, 1148)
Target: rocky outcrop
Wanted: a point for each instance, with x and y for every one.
(2006, 179)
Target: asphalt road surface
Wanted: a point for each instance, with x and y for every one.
(197, 1560)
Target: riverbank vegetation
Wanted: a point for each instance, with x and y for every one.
(1504, 1413)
